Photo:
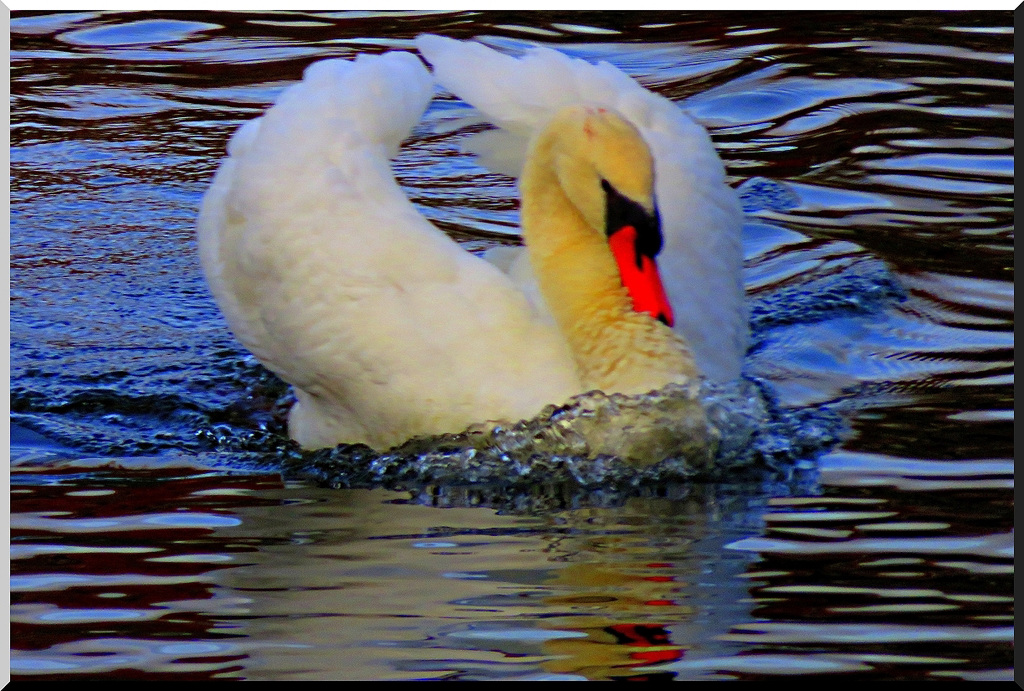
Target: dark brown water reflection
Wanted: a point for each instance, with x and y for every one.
(136, 554)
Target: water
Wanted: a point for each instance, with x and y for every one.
(163, 528)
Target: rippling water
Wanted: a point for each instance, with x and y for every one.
(162, 527)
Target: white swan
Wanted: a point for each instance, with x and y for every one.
(385, 327)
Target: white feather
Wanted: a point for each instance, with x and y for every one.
(329, 275)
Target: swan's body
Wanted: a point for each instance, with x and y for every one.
(387, 328)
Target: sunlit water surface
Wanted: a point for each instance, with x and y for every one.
(162, 527)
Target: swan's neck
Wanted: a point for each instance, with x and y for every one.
(616, 348)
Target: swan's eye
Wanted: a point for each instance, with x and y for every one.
(622, 212)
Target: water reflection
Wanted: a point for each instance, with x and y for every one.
(590, 593)
(286, 581)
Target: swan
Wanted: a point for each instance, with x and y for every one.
(385, 327)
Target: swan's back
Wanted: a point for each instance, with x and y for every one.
(702, 258)
(328, 274)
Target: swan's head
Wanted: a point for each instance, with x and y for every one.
(606, 171)
(593, 149)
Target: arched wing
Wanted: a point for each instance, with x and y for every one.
(326, 271)
(702, 257)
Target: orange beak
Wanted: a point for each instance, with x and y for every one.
(634, 236)
(640, 276)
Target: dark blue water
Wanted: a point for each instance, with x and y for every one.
(162, 527)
